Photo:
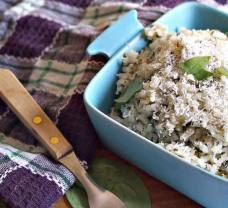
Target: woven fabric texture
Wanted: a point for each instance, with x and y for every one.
(43, 43)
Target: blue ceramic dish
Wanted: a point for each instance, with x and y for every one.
(126, 34)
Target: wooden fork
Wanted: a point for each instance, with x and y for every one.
(31, 114)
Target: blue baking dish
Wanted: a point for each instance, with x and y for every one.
(126, 34)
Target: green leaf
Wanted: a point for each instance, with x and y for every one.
(117, 178)
(77, 197)
(122, 181)
(196, 67)
(220, 71)
(132, 88)
(226, 33)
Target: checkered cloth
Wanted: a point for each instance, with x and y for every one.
(43, 42)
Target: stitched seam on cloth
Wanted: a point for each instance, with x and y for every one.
(54, 38)
(51, 177)
(47, 48)
(30, 61)
(60, 109)
(53, 55)
(61, 180)
(60, 98)
(7, 172)
(17, 154)
(34, 59)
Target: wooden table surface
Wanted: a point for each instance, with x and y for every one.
(162, 196)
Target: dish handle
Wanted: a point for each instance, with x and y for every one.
(116, 36)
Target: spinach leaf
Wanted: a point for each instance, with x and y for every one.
(117, 178)
(220, 71)
(196, 67)
(77, 197)
(132, 88)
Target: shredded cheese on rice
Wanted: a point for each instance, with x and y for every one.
(185, 116)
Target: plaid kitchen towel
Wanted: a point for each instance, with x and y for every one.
(43, 43)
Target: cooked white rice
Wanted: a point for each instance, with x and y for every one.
(185, 116)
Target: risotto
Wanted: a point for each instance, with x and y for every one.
(175, 93)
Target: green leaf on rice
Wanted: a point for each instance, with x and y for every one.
(196, 67)
(220, 71)
(133, 87)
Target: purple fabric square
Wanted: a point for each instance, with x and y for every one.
(22, 188)
(31, 35)
(75, 124)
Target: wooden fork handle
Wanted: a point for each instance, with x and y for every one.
(31, 114)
